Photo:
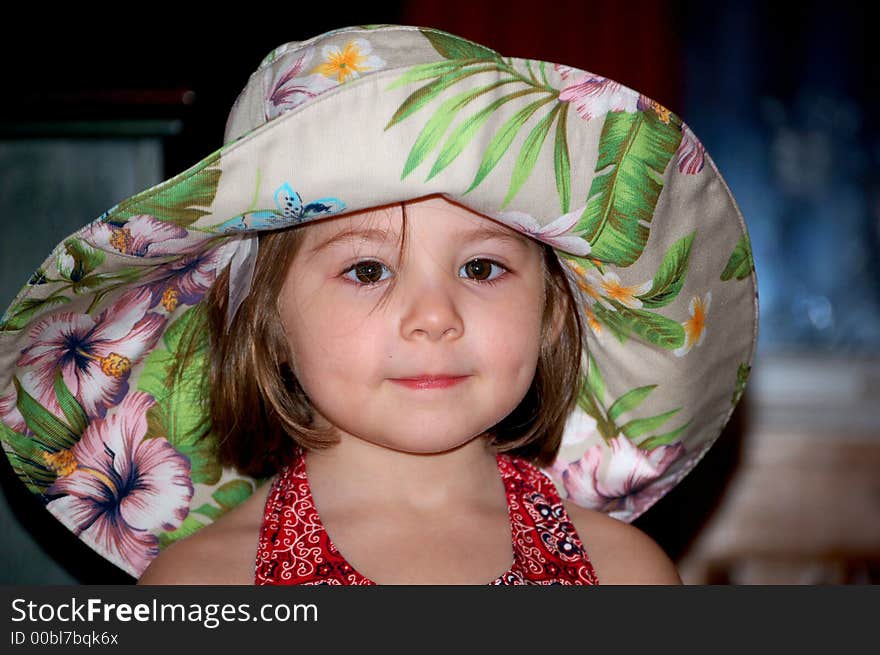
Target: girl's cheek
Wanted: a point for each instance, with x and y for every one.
(341, 322)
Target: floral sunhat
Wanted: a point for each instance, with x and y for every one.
(99, 379)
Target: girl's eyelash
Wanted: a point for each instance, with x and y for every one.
(490, 282)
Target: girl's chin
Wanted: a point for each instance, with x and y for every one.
(429, 447)
(426, 446)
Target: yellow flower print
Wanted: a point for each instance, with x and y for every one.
(348, 62)
(63, 462)
(662, 112)
(695, 326)
(602, 288)
(586, 281)
(593, 322)
(626, 296)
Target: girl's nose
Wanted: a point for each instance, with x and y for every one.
(431, 312)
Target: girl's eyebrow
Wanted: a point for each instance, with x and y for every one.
(378, 235)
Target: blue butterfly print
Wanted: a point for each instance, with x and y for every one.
(290, 210)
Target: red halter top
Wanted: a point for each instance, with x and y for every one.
(295, 548)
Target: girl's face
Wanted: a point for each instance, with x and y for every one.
(464, 304)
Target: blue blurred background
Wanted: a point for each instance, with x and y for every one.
(785, 99)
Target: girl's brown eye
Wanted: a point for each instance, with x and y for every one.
(480, 268)
(368, 272)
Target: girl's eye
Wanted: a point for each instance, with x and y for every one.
(482, 269)
(369, 272)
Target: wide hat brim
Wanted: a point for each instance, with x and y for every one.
(102, 417)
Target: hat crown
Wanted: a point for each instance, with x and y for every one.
(298, 71)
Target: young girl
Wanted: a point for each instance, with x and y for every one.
(416, 296)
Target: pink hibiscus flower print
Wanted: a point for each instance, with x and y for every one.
(691, 153)
(114, 486)
(94, 355)
(9, 413)
(291, 88)
(594, 95)
(140, 236)
(627, 472)
(558, 233)
(188, 279)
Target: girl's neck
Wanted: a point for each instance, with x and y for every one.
(357, 470)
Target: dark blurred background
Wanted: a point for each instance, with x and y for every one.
(96, 108)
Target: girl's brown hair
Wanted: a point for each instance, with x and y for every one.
(261, 414)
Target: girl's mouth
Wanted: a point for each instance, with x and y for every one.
(430, 382)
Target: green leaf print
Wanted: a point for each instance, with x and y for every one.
(594, 379)
(654, 328)
(85, 260)
(651, 443)
(26, 457)
(227, 496)
(423, 95)
(50, 431)
(232, 493)
(638, 427)
(182, 200)
(562, 163)
(453, 47)
(70, 407)
(432, 69)
(469, 59)
(19, 443)
(434, 129)
(528, 155)
(671, 275)
(648, 326)
(112, 281)
(109, 281)
(741, 263)
(503, 138)
(616, 322)
(634, 151)
(463, 134)
(211, 511)
(30, 455)
(21, 313)
(189, 526)
(592, 406)
(742, 378)
(175, 377)
(591, 399)
(630, 400)
(36, 482)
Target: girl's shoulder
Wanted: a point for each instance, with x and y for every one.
(621, 554)
(222, 553)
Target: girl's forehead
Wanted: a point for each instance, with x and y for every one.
(433, 217)
(391, 216)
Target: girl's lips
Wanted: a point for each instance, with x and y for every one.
(430, 383)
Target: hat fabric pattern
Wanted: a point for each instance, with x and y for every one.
(103, 362)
